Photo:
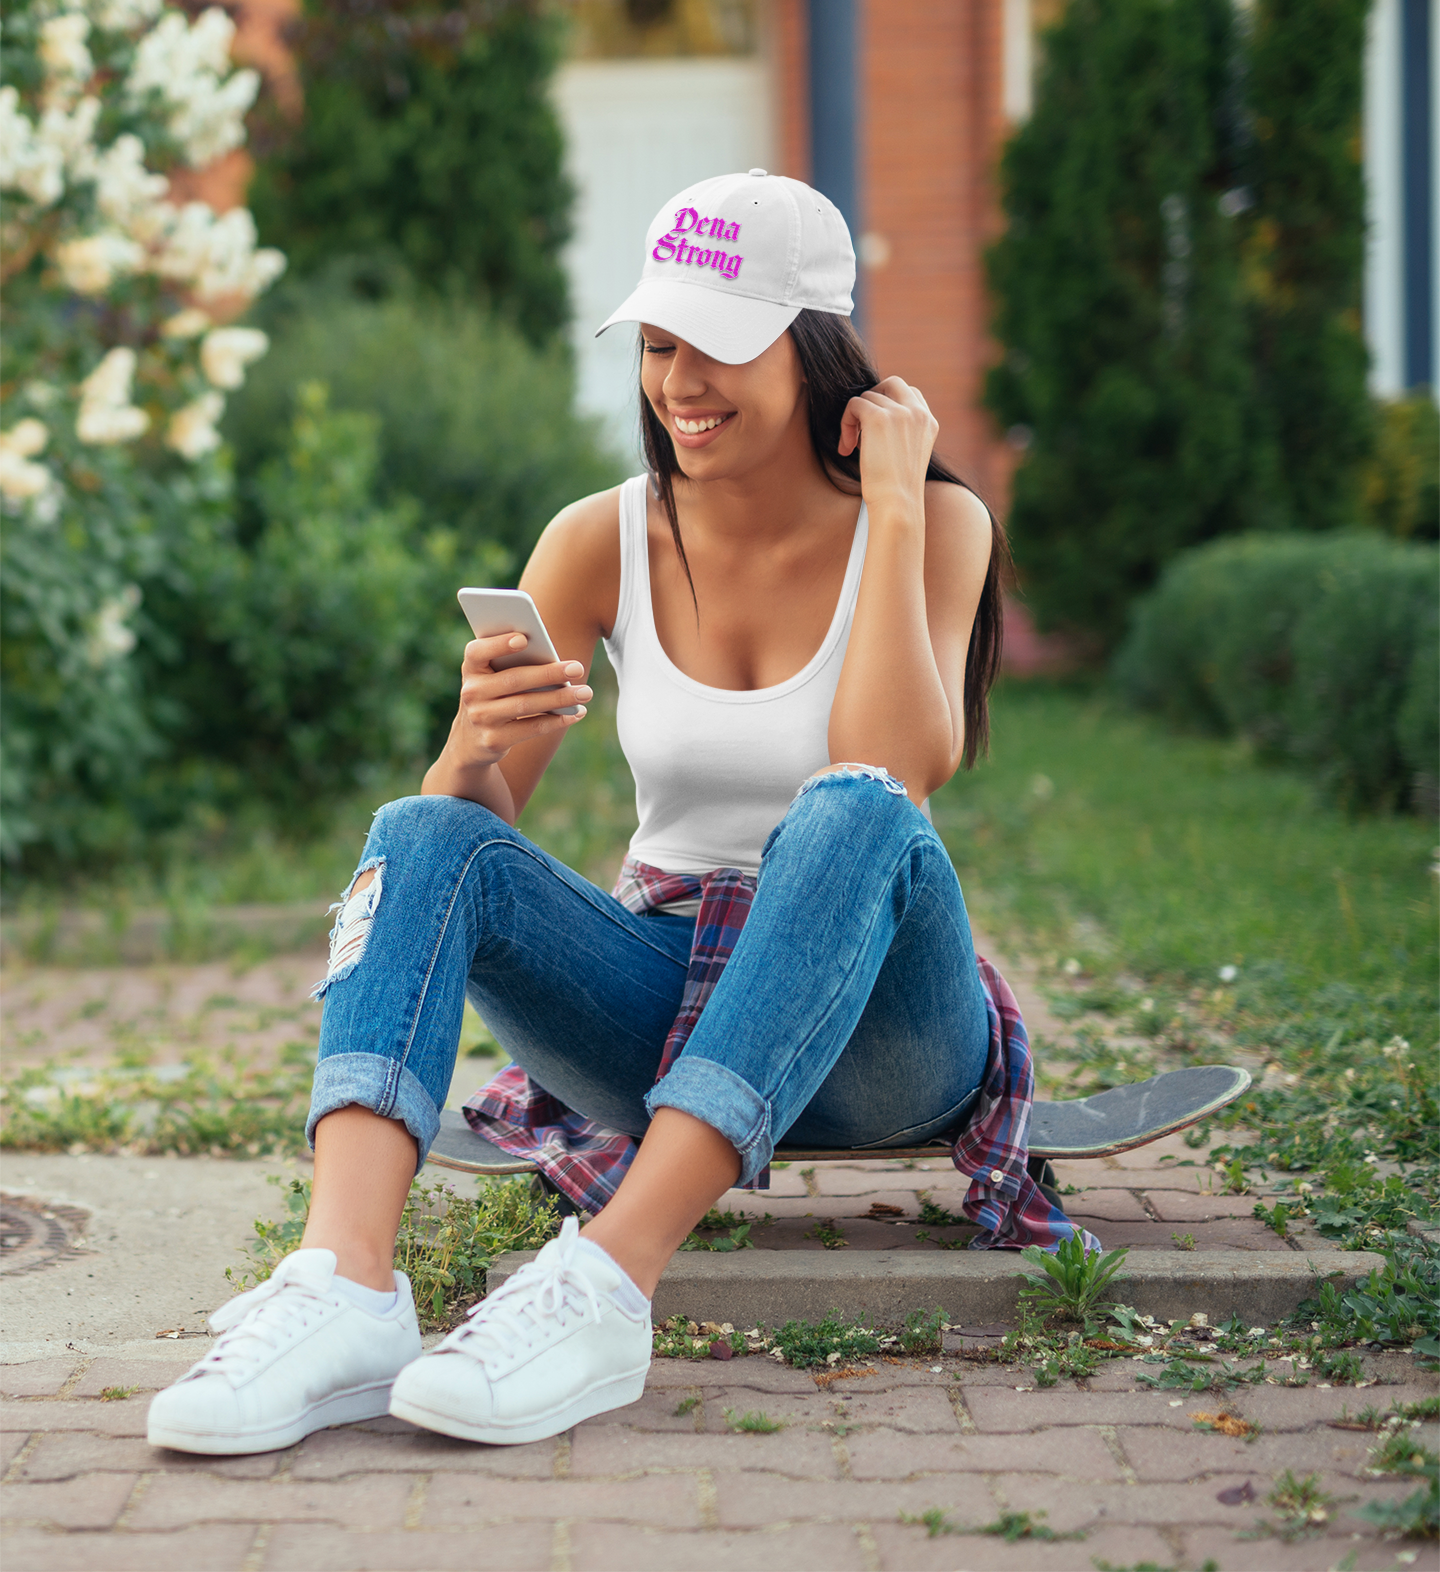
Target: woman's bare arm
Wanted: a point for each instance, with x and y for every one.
(492, 756)
(900, 699)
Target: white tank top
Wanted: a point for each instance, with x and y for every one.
(715, 768)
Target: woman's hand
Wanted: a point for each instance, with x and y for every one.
(499, 709)
(895, 432)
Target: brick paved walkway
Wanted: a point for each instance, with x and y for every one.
(665, 1484)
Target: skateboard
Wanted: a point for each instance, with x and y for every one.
(1097, 1126)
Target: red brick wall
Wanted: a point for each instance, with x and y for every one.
(788, 42)
(931, 129)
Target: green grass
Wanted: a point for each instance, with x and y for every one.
(1096, 834)
(1171, 888)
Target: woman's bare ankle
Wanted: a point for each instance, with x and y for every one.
(358, 1262)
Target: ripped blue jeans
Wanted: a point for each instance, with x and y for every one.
(850, 1014)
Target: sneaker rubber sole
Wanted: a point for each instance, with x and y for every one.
(616, 1392)
(340, 1408)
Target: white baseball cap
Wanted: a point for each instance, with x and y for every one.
(731, 262)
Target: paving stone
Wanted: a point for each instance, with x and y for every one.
(611, 1449)
(918, 1410)
(1181, 1206)
(111, 1419)
(91, 1502)
(891, 1454)
(364, 1501)
(754, 1500)
(312, 1547)
(1071, 1506)
(607, 1547)
(1223, 1234)
(789, 1410)
(1005, 1409)
(333, 1454)
(11, 1441)
(67, 1453)
(783, 1182)
(655, 1500)
(907, 1547)
(1274, 1555)
(839, 1180)
(656, 1409)
(754, 1374)
(1117, 1206)
(1203, 1453)
(145, 1375)
(1294, 1408)
(219, 1547)
(887, 1377)
(37, 1377)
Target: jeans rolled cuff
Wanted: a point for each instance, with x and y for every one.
(719, 1097)
(382, 1085)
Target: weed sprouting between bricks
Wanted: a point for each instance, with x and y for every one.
(1076, 1279)
(1009, 1526)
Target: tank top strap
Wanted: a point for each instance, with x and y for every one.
(634, 559)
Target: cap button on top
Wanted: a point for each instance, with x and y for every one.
(759, 171)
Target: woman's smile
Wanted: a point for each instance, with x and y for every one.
(698, 428)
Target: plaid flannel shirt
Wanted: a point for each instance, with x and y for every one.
(586, 1161)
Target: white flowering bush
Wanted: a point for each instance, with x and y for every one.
(119, 354)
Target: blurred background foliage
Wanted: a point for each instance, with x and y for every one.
(1178, 295)
(296, 639)
(427, 135)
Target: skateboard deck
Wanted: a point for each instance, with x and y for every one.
(1097, 1126)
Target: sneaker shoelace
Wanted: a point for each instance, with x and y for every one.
(258, 1323)
(535, 1301)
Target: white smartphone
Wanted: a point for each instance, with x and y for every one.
(494, 611)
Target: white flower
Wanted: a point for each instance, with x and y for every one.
(189, 323)
(26, 163)
(106, 414)
(119, 16)
(125, 190)
(89, 265)
(216, 255)
(185, 65)
(1229, 973)
(67, 61)
(21, 480)
(110, 638)
(227, 351)
(72, 135)
(192, 430)
(26, 439)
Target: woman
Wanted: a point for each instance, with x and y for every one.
(798, 596)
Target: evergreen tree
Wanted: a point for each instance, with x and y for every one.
(1119, 304)
(427, 135)
(1305, 252)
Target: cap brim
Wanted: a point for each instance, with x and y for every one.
(728, 327)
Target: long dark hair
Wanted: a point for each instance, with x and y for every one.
(837, 367)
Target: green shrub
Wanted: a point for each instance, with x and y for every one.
(1360, 650)
(474, 424)
(1119, 302)
(1320, 650)
(332, 633)
(1402, 480)
(429, 133)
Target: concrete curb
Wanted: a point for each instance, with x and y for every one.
(768, 1287)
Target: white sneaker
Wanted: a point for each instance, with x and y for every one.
(550, 1348)
(294, 1355)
